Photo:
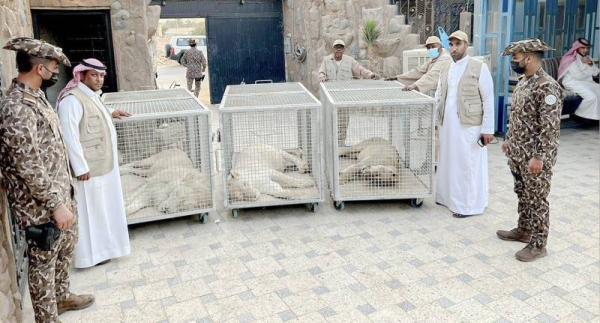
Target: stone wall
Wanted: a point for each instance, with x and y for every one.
(313, 25)
(133, 24)
(10, 300)
(14, 20)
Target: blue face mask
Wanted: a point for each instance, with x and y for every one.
(433, 53)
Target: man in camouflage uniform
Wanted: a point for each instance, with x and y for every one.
(195, 62)
(34, 163)
(531, 145)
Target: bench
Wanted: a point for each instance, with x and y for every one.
(571, 100)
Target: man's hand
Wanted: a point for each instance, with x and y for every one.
(535, 165)
(391, 78)
(63, 217)
(486, 138)
(410, 88)
(84, 177)
(117, 114)
(587, 60)
(505, 147)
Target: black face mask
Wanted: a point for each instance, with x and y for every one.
(51, 81)
(517, 67)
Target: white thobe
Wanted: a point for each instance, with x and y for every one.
(101, 213)
(462, 170)
(578, 79)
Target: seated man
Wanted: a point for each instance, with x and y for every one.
(576, 72)
(426, 76)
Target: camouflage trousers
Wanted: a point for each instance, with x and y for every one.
(49, 275)
(534, 209)
(196, 84)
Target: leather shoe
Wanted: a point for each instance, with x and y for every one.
(516, 234)
(528, 254)
(75, 302)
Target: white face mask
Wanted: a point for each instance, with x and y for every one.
(433, 53)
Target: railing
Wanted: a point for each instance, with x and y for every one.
(19, 246)
(425, 16)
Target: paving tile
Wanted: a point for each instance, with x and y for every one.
(327, 312)
(246, 295)
(223, 288)
(366, 309)
(152, 292)
(245, 318)
(358, 287)
(374, 262)
(225, 309)
(588, 316)
(445, 303)
(407, 306)
(287, 316)
(183, 312)
(265, 305)
(545, 318)
(521, 295)
(141, 313)
(473, 311)
(321, 290)
(284, 293)
(483, 299)
(513, 309)
(304, 302)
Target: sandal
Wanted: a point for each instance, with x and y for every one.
(462, 216)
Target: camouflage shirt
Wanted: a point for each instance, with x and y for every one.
(33, 156)
(534, 121)
(195, 62)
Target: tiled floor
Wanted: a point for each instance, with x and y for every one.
(373, 262)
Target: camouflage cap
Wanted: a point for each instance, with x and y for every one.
(37, 48)
(526, 46)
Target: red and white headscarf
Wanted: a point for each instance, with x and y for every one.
(571, 56)
(78, 72)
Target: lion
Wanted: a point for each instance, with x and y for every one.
(378, 161)
(167, 181)
(259, 169)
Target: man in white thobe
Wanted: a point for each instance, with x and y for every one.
(465, 113)
(576, 72)
(92, 147)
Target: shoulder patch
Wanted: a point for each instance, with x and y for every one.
(550, 99)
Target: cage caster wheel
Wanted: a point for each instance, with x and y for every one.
(234, 213)
(416, 203)
(314, 208)
(203, 218)
(339, 205)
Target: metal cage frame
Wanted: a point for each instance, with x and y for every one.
(331, 108)
(194, 111)
(272, 98)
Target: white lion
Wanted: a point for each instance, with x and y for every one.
(167, 181)
(378, 161)
(259, 169)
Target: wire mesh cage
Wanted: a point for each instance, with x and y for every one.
(378, 141)
(270, 146)
(164, 154)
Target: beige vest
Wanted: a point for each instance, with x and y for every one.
(470, 103)
(341, 73)
(94, 135)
